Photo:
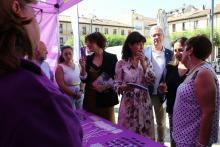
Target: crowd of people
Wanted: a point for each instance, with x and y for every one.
(37, 108)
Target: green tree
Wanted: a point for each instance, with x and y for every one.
(189, 34)
(115, 40)
(70, 41)
(112, 40)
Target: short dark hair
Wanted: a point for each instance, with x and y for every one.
(97, 38)
(201, 45)
(132, 38)
(62, 48)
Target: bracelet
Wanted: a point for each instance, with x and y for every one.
(200, 145)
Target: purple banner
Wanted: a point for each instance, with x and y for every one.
(65, 4)
(49, 24)
(99, 132)
(48, 28)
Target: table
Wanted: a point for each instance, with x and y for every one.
(98, 132)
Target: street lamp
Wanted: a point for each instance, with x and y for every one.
(91, 26)
(212, 26)
(91, 21)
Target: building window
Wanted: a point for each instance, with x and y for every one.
(84, 30)
(184, 26)
(114, 31)
(96, 29)
(122, 32)
(174, 27)
(196, 24)
(61, 28)
(106, 30)
(61, 41)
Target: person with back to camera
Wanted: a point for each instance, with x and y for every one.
(196, 110)
(34, 113)
(175, 75)
(98, 99)
(135, 112)
(67, 76)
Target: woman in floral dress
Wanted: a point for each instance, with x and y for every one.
(135, 111)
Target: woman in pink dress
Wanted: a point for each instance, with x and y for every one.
(135, 110)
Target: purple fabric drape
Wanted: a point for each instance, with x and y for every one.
(49, 24)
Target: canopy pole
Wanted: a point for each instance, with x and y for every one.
(212, 29)
(76, 33)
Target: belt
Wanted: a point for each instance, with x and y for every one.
(132, 94)
(74, 84)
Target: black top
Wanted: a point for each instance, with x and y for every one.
(173, 80)
(109, 98)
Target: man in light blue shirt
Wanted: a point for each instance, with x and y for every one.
(160, 57)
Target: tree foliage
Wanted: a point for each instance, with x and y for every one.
(112, 40)
(189, 34)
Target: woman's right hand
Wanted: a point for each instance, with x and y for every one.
(78, 95)
(162, 88)
(82, 63)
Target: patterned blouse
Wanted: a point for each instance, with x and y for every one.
(187, 113)
(135, 112)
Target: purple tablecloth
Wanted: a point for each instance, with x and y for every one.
(98, 132)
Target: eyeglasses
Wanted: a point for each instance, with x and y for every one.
(38, 12)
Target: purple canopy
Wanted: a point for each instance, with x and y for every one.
(48, 17)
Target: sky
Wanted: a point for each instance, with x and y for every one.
(119, 9)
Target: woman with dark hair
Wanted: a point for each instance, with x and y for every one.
(67, 77)
(34, 113)
(196, 110)
(175, 75)
(135, 111)
(98, 99)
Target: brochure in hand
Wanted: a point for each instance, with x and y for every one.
(137, 86)
(104, 80)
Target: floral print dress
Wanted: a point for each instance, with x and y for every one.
(135, 112)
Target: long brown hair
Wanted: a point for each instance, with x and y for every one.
(14, 40)
(182, 41)
(61, 59)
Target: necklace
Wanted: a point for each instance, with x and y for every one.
(195, 67)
